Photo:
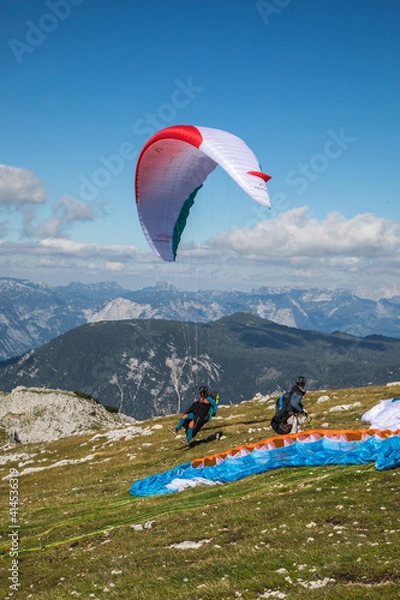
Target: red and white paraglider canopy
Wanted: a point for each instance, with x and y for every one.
(171, 168)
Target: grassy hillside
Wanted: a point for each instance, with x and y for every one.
(323, 532)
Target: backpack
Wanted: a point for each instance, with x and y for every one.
(282, 413)
(213, 411)
(214, 395)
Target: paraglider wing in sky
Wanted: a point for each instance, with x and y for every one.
(172, 167)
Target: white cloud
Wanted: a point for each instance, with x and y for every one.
(65, 247)
(114, 266)
(295, 249)
(19, 187)
(59, 261)
(296, 234)
(66, 212)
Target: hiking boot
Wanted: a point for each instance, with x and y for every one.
(174, 431)
(185, 442)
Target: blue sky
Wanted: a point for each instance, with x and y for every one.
(311, 86)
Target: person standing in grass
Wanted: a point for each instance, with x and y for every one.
(288, 408)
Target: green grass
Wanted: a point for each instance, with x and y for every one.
(323, 532)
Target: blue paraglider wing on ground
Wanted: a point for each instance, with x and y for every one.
(311, 448)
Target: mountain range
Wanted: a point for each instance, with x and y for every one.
(153, 367)
(33, 313)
